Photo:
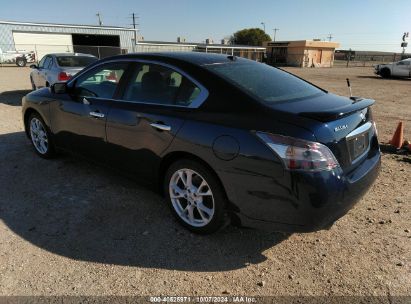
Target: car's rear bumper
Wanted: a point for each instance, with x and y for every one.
(318, 200)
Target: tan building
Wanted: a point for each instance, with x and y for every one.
(302, 53)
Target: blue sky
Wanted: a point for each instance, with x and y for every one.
(359, 24)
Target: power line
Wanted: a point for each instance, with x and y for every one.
(330, 36)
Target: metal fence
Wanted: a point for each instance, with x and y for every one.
(9, 53)
(366, 60)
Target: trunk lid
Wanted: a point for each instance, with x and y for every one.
(343, 124)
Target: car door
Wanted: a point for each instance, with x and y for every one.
(402, 68)
(36, 72)
(150, 113)
(78, 118)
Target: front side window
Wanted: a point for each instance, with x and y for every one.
(267, 83)
(101, 82)
(153, 83)
(41, 63)
(405, 62)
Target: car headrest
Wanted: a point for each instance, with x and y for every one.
(152, 81)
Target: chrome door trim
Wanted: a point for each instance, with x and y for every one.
(97, 114)
(160, 126)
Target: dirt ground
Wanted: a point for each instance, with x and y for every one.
(68, 227)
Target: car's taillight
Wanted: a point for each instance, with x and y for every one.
(63, 76)
(298, 154)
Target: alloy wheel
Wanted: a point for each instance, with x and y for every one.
(39, 136)
(191, 197)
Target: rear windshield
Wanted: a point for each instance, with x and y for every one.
(267, 83)
(75, 61)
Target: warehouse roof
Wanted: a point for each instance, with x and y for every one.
(67, 25)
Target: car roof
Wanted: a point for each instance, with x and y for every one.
(196, 58)
(70, 54)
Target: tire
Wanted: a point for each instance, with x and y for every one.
(40, 136)
(385, 73)
(33, 86)
(21, 62)
(199, 209)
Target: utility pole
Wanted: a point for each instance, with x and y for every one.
(404, 44)
(100, 23)
(134, 26)
(263, 24)
(275, 33)
(330, 36)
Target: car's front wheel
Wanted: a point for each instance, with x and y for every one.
(21, 62)
(40, 136)
(385, 73)
(195, 196)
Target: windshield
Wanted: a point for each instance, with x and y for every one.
(269, 84)
(75, 61)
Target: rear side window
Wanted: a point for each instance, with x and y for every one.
(153, 83)
(267, 83)
(75, 61)
(100, 82)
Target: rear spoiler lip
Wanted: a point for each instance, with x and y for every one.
(341, 112)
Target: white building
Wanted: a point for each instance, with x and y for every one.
(43, 38)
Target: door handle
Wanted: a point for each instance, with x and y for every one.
(160, 126)
(97, 114)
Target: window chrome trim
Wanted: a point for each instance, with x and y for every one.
(196, 103)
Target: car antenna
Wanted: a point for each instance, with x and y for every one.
(349, 87)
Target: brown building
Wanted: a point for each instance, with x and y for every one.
(302, 53)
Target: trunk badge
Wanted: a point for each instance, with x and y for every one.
(340, 128)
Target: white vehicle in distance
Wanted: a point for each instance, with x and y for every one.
(395, 69)
(19, 57)
(54, 68)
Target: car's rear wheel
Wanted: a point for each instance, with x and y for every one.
(40, 136)
(21, 62)
(385, 73)
(195, 196)
(33, 86)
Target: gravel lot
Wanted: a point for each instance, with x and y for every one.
(68, 227)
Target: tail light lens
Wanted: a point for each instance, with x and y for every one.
(63, 76)
(298, 154)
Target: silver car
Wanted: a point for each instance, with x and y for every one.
(54, 68)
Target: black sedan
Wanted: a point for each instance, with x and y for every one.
(223, 138)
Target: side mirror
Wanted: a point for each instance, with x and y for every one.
(59, 88)
(33, 66)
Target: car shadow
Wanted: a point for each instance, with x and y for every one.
(381, 78)
(85, 212)
(13, 98)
